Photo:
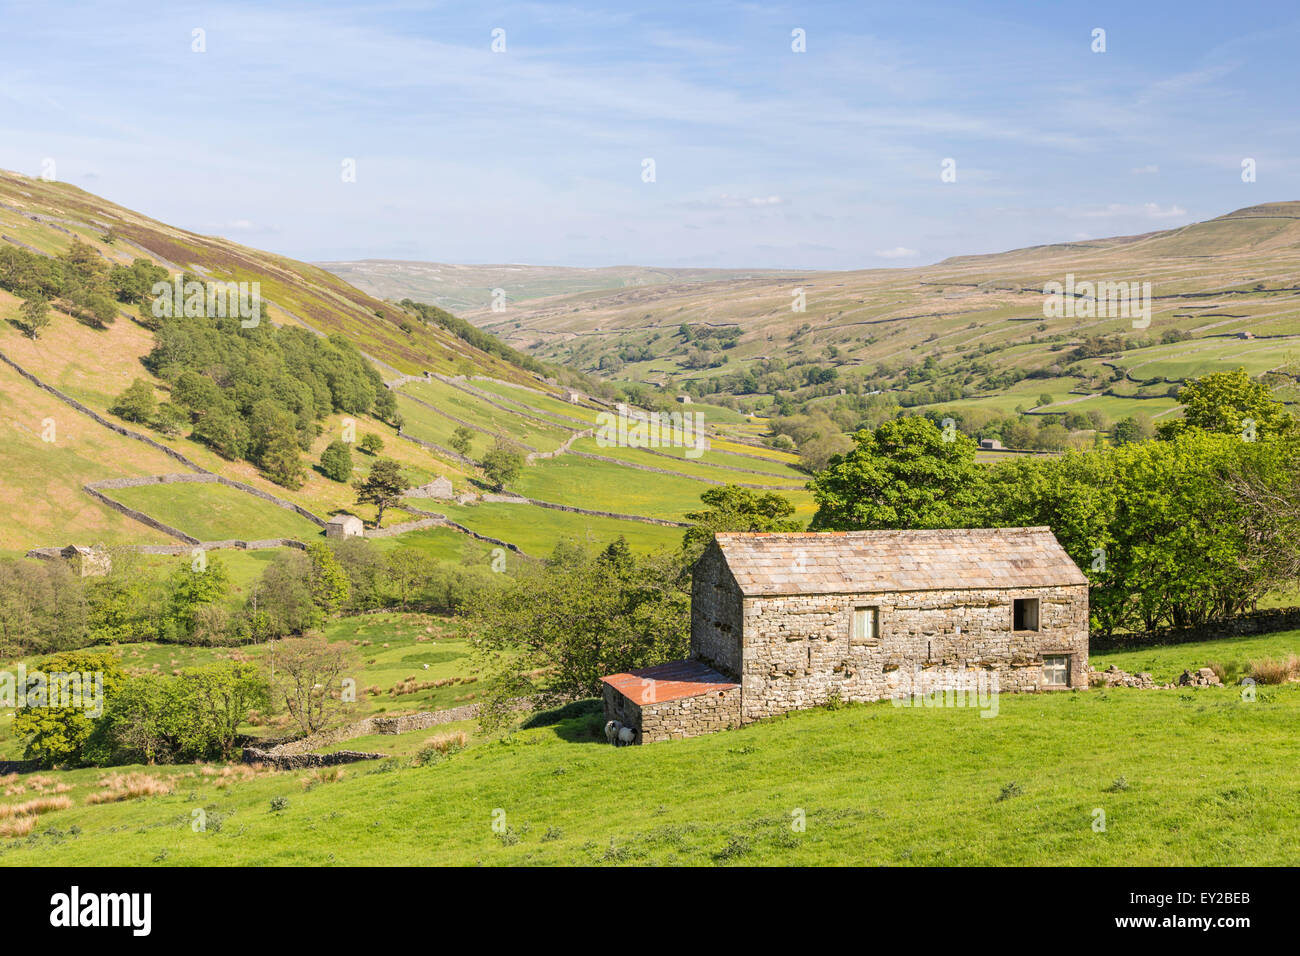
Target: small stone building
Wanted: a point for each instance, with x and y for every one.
(344, 526)
(87, 562)
(440, 488)
(782, 622)
(573, 395)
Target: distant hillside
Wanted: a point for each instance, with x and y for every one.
(970, 329)
(469, 287)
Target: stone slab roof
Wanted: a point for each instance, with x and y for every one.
(671, 681)
(836, 562)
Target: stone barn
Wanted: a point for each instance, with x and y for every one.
(439, 488)
(87, 562)
(344, 526)
(782, 622)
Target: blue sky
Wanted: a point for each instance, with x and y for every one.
(764, 157)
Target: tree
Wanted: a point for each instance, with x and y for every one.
(371, 443)
(733, 508)
(365, 567)
(383, 487)
(282, 602)
(329, 582)
(56, 733)
(461, 439)
(336, 461)
(223, 694)
(561, 624)
(905, 474)
(408, 569)
(307, 676)
(502, 463)
(1229, 403)
(35, 315)
(188, 589)
(137, 403)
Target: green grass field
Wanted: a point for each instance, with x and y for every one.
(538, 530)
(485, 417)
(1183, 777)
(1207, 779)
(212, 512)
(605, 486)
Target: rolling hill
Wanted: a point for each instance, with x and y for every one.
(966, 331)
(77, 473)
(468, 288)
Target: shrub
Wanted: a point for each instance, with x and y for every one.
(279, 803)
(1269, 671)
(33, 807)
(1012, 789)
(129, 786)
(16, 828)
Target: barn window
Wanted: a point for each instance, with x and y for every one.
(866, 623)
(1056, 670)
(1025, 614)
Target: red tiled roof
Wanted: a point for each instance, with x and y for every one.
(831, 562)
(671, 681)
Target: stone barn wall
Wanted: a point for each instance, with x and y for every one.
(690, 716)
(799, 650)
(674, 719)
(716, 613)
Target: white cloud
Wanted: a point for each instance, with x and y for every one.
(898, 252)
(1147, 170)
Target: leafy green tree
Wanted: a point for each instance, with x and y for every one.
(137, 403)
(53, 729)
(330, 586)
(189, 589)
(1229, 403)
(733, 508)
(336, 461)
(223, 695)
(461, 439)
(905, 474)
(371, 443)
(559, 625)
(383, 487)
(282, 602)
(34, 316)
(42, 607)
(408, 570)
(502, 463)
(366, 568)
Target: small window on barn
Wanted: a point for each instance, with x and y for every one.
(1056, 670)
(1025, 614)
(866, 623)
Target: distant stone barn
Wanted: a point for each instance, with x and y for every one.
(344, 525)
(781, 622)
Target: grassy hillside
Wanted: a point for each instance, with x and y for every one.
(492, 397)
(1184, 778)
